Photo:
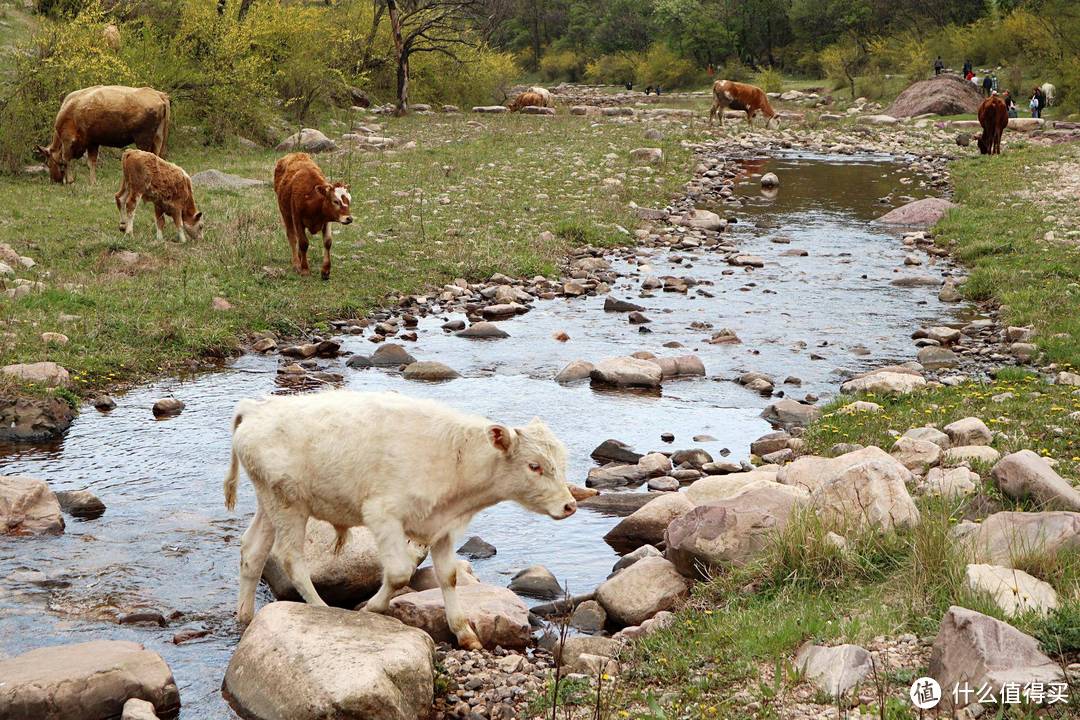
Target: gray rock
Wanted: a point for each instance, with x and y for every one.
(28, 507)
(391, 355)
(790, 413)
(168, 407)
(937, 358)
(575, 371)
(216, 179)
(642, 590)
(80, 503)
(483, 331)
(612, 304)
(1025, 474)
(834, 670)
(538, 582)
(1014, 591)
(615, 451)
(476, 548)
(923, 213)
(976, 649)
(632, 557)
(343, 578)
(589, 616)
(968, 431)
(429, 370)
(1006, 537)
(300, 662)
(646, 526)
(307, 140)
(85, 681)
(498, 616)
(627, 372)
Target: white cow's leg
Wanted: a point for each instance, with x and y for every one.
(132, 204)
(398, 559)
(254, 549)
(291, 528)
(446, 568)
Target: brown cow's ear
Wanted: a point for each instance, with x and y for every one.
(502, 437)
(198, 216)
(325, 189)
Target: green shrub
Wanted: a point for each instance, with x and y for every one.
(842, 63)
(908, 55)
(871, 85)
(482, 77)
(734, 69)
(661, 65)
(770, 80)
(614, 69)
(562, 65)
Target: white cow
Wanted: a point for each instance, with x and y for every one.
(543, 92)
(413, 471)
(1050, 92)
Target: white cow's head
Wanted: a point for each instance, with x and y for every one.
(533, 468)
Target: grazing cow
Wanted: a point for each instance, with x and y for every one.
(727, 93)
(545, 94)
(162, 183)
(1049, 92)
(526, 99)
(109, 115)
(413, 471)
(309, 203)
(994, 117)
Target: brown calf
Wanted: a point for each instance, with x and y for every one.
(527, 99)
(741, 96)
(162, 183)
(309, 203)
(994, 117)
(105, 115)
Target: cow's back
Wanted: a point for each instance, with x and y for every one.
(295, 175)
(113, 115)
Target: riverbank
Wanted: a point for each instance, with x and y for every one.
(731, 652)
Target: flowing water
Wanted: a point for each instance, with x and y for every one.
(166, 541)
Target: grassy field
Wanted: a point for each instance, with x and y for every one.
(470, 200)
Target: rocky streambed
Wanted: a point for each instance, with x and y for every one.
(753, 295)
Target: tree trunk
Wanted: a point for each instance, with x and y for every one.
(245, 5)
(369, 41)
(402, 55)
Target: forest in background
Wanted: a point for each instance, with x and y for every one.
(252, 68)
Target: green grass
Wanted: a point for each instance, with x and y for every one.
(467, 202)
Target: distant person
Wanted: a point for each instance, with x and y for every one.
(658, 91)
(939, 66)
(1033, 105)
(987, 86)
(1040, 98)
(969, 76)
(629, 85)
(968, 69)
(1010, 104)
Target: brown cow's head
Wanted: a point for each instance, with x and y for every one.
(533, 471)
(193, 228)
(336, 202)
(57, 164)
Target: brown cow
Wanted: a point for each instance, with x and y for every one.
(162, 183)
(109, 115)
(309, 203)
(527, 99)
(994, 117)
(727, 93)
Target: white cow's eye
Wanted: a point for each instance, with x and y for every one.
(535, 467)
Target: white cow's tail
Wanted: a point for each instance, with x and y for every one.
(233, 475)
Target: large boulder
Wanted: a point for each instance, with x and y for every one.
(968, 431)
(872, 493)
(973, 649)
(307, 140)
(216, 179)
(300, 662)
(1005, 537)
(834, 670)
(614, 475)
(952, 483)
(34, 419)
(640, 591)
(646, 526)
(732, 531)
(1014, 591)
(916, 455)
(41, 373)
(345, 578)
(498, 616)
(28, 507)
(722, 487)
(789, 413)
(1025, 474)
(923, 213)
(885, 382)
(85, 681)
(627, 372)
(939, 95)
(812, 471)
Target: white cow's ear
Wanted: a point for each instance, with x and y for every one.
(502, 437)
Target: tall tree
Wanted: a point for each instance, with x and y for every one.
(420, 26)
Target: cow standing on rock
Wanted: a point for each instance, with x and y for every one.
(105, 115)
(413, 471)
(166, 185)
(740, 96)
(309, 203)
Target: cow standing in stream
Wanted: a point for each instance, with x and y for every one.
(412, 471)
(109, 116)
